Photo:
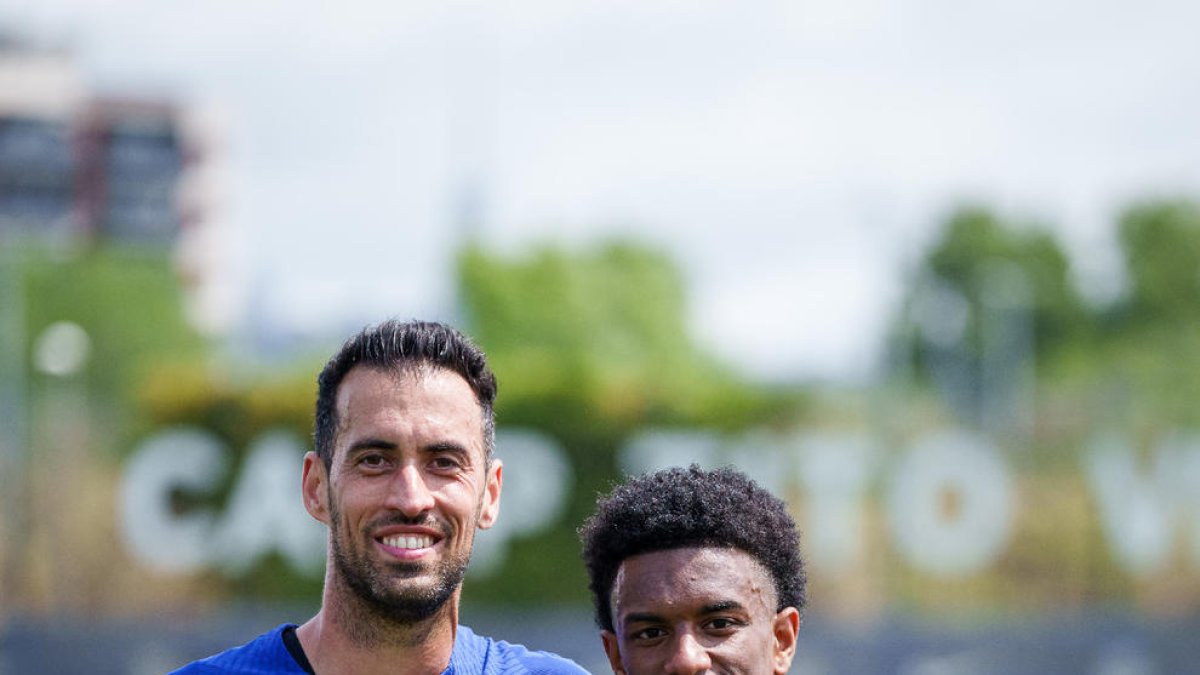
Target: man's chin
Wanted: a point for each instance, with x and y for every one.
(404, 591)
(409, 569)
(414, 584)
(409, 603)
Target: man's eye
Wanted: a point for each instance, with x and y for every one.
(372, 461)
(444, 463)
(723, 624)
(652, 633)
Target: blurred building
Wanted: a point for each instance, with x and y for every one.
(82, 166)
(40, 98)
(129, 160)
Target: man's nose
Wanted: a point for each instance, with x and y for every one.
(408, 493)
(688, 656)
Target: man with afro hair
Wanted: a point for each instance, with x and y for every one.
(693, 571)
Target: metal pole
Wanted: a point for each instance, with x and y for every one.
(13, 425)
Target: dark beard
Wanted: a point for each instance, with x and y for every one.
(373, 584)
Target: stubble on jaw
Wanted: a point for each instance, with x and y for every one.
(372, 611)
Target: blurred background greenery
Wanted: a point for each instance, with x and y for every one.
(590, 346)
(814, 240)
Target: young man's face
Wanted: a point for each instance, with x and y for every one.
(698, 610)
(408, 485)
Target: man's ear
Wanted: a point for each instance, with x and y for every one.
(786, 627)
(493, 480)
(613, 650)
(314, 487)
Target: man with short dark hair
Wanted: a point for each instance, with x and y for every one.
(694, 571)
(403, 474)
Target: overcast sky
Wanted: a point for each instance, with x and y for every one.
(793, 156)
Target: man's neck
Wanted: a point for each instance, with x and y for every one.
(347, 637)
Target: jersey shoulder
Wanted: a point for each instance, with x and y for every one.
(476, 654)
(264, 655)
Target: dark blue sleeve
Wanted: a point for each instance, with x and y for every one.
(264, 655)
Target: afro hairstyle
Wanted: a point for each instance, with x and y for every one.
(682, 508)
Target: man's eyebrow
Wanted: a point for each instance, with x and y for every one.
(714, 608)
(369, 443)
(722, 606)
(642, 617)
(447, 446)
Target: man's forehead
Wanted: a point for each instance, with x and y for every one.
(420, 375)
(690, 579)
(373, 395)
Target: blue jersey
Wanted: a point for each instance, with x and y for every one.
(473, 655)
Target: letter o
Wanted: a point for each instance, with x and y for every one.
(971, 470)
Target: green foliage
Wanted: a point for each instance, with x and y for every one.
(589, 347)
(1135, 363)
(1148, 360)
(991, 299)
(1131, 369)
(601, 336)
(982, 257)
(128, 301)
(236, 412)
(1161, 243)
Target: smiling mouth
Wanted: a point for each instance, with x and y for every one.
(408, 541)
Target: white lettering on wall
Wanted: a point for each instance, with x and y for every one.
(956, 469)
(834, 473)
(265, 512)
(1142, 507)
(950, 504)
(536, 477)
(173, 460)
(656, 449)
(948, 500)
(765, 457)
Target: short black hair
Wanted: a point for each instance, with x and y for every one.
(682, 508)
(404, 347)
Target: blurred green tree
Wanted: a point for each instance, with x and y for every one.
(979, 254)
(1161, 243)
(1150, 364)
(128, 301)
(590, 346)
(990, 298)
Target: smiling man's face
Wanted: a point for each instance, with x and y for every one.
(698, 610)
(408, 485)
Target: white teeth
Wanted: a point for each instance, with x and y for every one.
(409, 541)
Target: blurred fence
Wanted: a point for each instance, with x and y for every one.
(1096, 644)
